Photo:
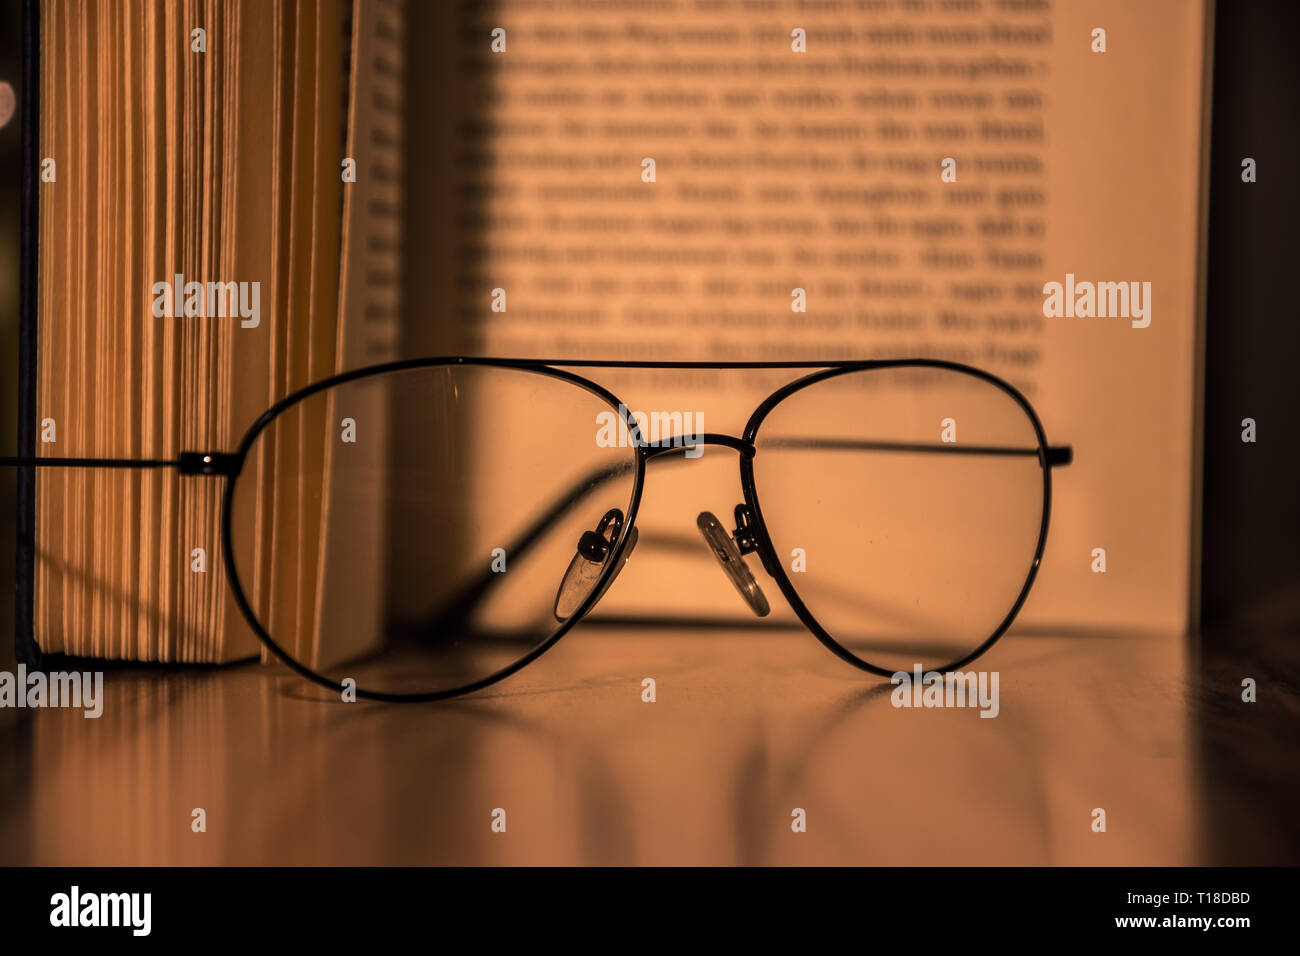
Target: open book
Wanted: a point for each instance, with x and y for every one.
(1077, 135)
(690, 182)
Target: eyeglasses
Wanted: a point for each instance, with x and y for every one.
(422, 529)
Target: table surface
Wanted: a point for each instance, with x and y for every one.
(748, 726)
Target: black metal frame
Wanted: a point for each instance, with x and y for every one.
(751, 533)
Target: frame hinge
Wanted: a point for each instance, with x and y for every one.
(209, 463)
(1060, 455)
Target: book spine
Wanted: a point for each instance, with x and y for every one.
(25, 646)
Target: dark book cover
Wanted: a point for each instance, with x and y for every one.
(25, 646)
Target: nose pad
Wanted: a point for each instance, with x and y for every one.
(728, 555)
(593, 550)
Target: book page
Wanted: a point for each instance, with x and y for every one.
(726, 179)
(348, 602)
(180, 172)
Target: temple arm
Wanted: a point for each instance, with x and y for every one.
(187, 462)
(26, 461)
(1057, 455)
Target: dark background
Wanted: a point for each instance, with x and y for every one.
(1251, 555)
(10, 209)
(1250, 561)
